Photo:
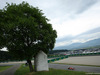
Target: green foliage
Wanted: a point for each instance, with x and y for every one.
(25, 71)
(2, 68)
(26, 30)
(6, 57)
(2, 31)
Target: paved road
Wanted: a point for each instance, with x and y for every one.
(77, 68)
(89, 69)
(10, 71)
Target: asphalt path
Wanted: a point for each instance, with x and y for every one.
(11, 70)
(89, 69)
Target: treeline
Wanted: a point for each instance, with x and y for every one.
(5, 57)
(57, 51)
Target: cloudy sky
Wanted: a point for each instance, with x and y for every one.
(74, 20)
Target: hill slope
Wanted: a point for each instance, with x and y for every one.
(91, 43)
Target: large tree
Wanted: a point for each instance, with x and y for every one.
(27, 31)
(2, 31)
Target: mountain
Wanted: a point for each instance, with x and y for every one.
(91, 43)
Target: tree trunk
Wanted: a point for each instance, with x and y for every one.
(35, 63)
(30, 65)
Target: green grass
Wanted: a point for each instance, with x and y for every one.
(25, 71)
(2, 68)
(57, 72)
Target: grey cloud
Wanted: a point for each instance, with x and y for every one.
(95, 30)
(89, 35)
(3, 2)
(63, 9)
(85, 4)
(77, 6)
(66, 38)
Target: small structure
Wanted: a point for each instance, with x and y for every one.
(41, 62)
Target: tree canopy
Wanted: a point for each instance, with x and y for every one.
(26, 30)
(2, 31)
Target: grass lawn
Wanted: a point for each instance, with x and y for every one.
(57, 72)
(2, 68)
(25, 71)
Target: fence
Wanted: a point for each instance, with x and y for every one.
(86, 54)
(60, 57)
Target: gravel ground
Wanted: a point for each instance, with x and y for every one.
(86, 60)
